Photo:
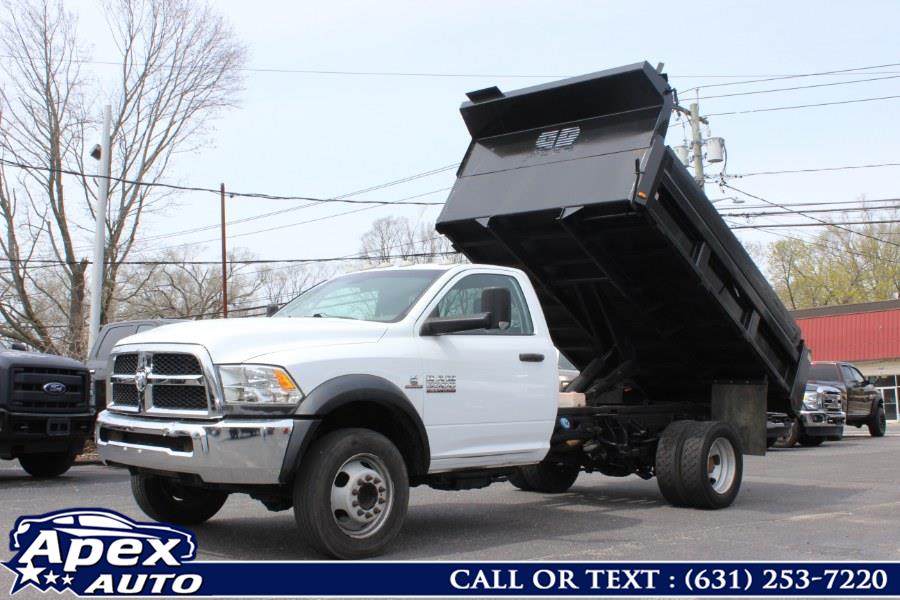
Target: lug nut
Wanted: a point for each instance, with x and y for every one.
(381, 501)
(368, 478)
(381, 488)
(376, 481)
(376, 510)
(354, 491)
(360, 481)
(368, 515)
(355, 503)
(360, 513)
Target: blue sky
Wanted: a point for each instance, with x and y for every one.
(326, 135)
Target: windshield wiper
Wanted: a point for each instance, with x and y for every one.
(321, 315)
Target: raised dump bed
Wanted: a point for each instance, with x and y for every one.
(644, 286)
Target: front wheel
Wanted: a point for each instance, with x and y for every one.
(168, 500)
(45, 465)
(351, 493)
(550, 478)
(878, 423)
(792, 438)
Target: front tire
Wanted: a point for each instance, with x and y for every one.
(878, 423)
(45, 465)
(351, 493)
(792, 438)
(167, 500)
(517, 478)
(712, 465)
(550, 478)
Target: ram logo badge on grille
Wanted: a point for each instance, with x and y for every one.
(142, 374)
(55, 388)
(557, 139)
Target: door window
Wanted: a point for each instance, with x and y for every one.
(852, 375)
(464, 299)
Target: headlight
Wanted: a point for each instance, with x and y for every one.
(258, 384)
(812, 400)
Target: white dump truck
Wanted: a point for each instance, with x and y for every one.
(586, 235)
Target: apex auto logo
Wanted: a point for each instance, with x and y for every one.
(100, 552)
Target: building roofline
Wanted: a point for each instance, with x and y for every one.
(846, 309)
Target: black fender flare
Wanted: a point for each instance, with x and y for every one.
(347, 389)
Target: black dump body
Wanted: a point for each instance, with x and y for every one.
(642, 283)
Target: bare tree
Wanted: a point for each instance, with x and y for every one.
(180, 288)
(395, 238)
(179, 66)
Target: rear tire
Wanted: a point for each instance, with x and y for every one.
(549, 478)
(712, 465)
(351, 494)
(167, 500)
(668, 462)
(878, 423)
(45, 465)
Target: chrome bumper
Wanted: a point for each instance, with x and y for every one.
(820, 422)
(239, 451)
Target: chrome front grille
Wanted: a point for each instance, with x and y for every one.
(832, 402)
(166, 382)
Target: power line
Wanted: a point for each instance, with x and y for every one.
(846, 209)
(822, 221)
(812, 170)
(865, 203)
(825, 224)
(816, 105)
(798, 87)
(796, 76)
(186, 188)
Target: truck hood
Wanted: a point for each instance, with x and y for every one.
(240, 340)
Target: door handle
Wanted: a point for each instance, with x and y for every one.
(531, 357)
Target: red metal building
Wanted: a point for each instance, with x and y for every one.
(868, 335)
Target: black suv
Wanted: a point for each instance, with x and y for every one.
(46, 412)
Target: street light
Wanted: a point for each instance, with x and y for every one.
(101, 152)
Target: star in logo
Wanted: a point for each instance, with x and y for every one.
(67, 580)
(51, 578)
(29, 573)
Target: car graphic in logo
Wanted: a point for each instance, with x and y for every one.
(95, 551)
(55, 388)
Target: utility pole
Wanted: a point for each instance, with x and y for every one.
(696, 149)
(697, 144)
(224, 257)
(98, 271)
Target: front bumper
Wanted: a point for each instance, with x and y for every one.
(230, 450)
(819, 423)
(24, 433)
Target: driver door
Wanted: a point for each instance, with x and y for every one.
(490, 395)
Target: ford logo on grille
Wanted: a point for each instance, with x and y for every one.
(55, 388)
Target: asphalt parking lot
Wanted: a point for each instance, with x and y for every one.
(840, 501)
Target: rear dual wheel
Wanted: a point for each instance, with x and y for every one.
(699, 464)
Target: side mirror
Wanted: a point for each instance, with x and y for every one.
(497, 302)
(496, 306)
(271, 309)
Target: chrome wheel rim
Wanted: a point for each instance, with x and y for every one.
(721, 465)
(361, 495)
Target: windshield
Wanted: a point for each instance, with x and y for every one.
(384, 296)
